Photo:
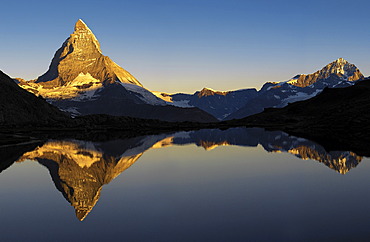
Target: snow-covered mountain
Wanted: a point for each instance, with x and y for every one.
(339, 73)
(81, 80)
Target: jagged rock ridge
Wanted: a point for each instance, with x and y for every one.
(340, 69)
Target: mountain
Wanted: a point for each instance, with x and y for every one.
(337, 116)
(219, 104)
(19, 107)
(80, 61)
(339, 73)
(81, 80)
(227, 105)
(339, 70)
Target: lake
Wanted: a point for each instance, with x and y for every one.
(240, 184)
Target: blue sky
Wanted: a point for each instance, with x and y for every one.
(175, 46)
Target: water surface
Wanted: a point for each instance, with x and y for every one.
(209, 185)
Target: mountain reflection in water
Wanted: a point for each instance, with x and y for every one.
(79, 169)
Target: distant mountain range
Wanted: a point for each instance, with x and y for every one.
(337, 74)
(242, 103)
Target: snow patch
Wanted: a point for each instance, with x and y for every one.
(144, 94)
(84, 86)
(292, 81)
(299, 96)
(181, 104)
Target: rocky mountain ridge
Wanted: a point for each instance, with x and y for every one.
(337, 74)
(340, 69)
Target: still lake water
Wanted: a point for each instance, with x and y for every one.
(209, 185)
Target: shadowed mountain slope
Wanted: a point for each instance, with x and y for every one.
(19, 107)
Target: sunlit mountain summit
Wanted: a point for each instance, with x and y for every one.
(80, 62)
(81, 80)
(79, 69)
(337, 74)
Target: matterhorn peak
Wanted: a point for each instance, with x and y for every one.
(80, 25)
(83, 38)
(341, 61)
(81, 56)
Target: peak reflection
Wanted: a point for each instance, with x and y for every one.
(79, 169)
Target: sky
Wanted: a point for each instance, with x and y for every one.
(183, 46)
